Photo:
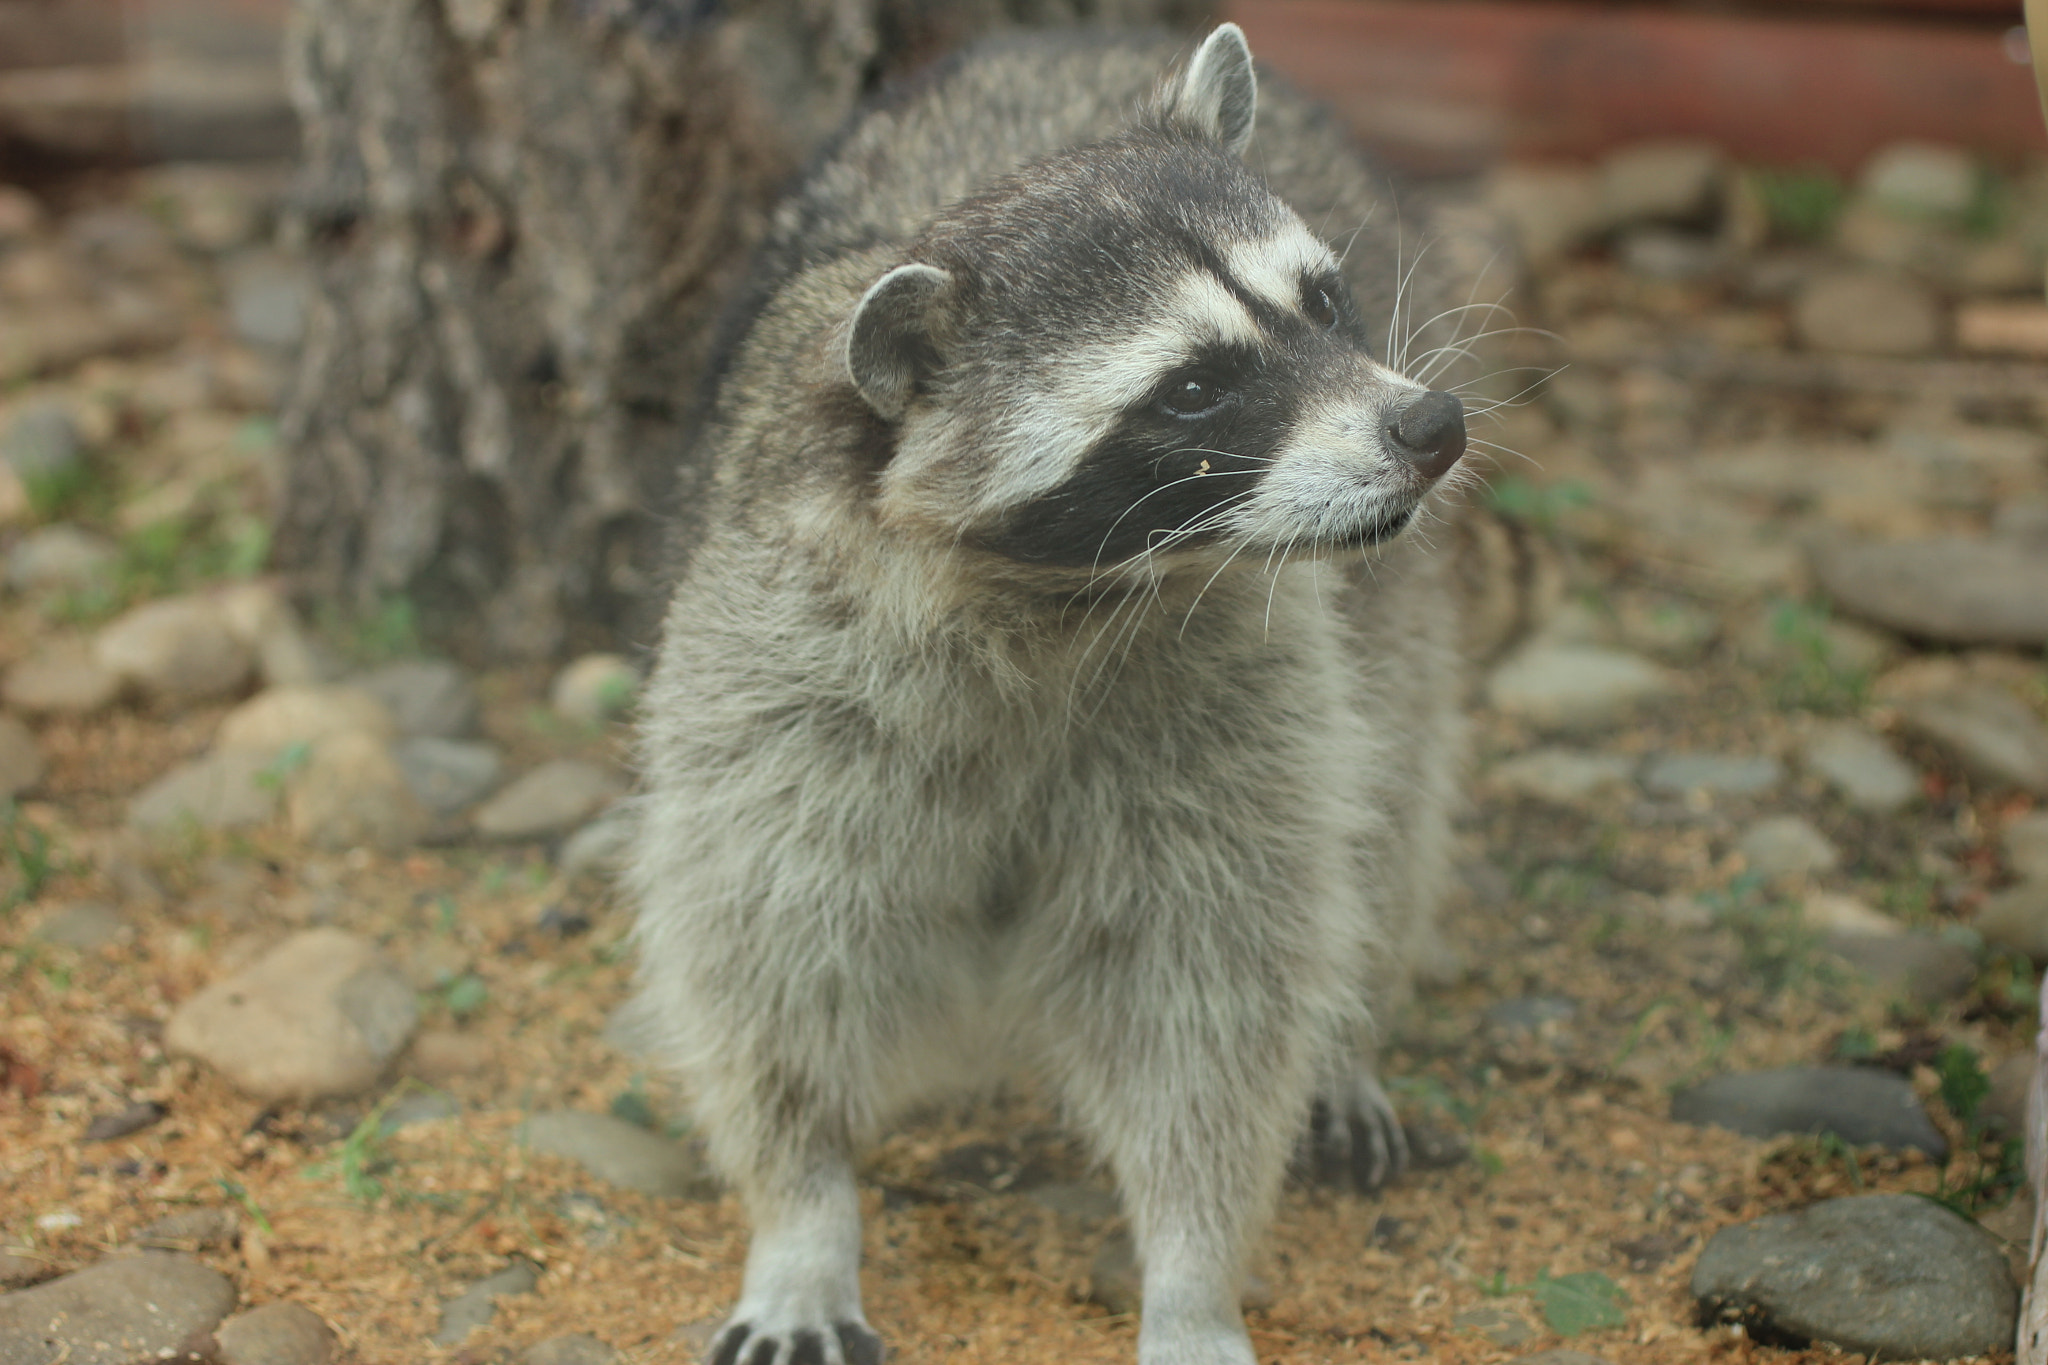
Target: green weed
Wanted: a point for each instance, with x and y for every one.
(1541, 505)
(1802, 204)
(26, 852)
(1585, 1301)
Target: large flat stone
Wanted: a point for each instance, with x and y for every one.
(126, 1309)
(1857, 1104)
(1964, 592)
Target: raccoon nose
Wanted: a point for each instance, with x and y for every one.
(1429, 433)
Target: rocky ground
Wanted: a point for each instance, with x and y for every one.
(309, 964)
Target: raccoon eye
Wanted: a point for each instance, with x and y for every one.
(1192, 395)
(1320, 307)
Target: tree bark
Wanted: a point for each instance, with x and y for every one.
(523, 218)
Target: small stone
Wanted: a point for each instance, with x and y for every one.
(123, 1122)
(352, 794)
(42, 441)
(1530, 1013)
(228, 790)
(620, 1153)
(1959, 592)
(478, 1304)
(1856, 1104)
(2003, 328)
(279, 717)
(1675, 631)
(550, 800)
(1670, 181)
(599, 846)
(322, 1015)
(1824, 912)
(1503, 1327)
(448, 775)
(1569, 687)
(1563, 776)
(1776, 637)
(1785, 846)
(594, 689)
(1681, 774)
(2017, 919)
(176, 651)
(1114, 1280)
(1665, 254)
(151, 1306)
(1553, 209)
(1860, 765)
(1922, 177)
(425, 696)
(281, 1333)
(60, 557)
(203, 1229)
(21, 759)
(1990, 732)
(1867, 313)
(1926, 968)
(1895, 1276)
(267, 301)
(417, 1109)
(261, 619)
(2025, 843)
(60, 677)
(84, 925)
(579, 1348)
(19, 1272)
(440, 1055)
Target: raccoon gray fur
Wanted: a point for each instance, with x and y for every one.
(1057, 684)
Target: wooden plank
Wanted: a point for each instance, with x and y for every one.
(1451, 84)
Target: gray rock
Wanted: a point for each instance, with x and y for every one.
(21, 759)
(151, 1306)
(1868, 312)
(431, 1107)
(599, 846)
(1990, 732)
(1563, 776)
(1922, 178)
(448, 775)
(60, 678)
(426, 696)
(125, 1121)
(281, 1333)
(1963, 592)
(1665, 254)
(19, 1272)
(58, 557)
(202, 1229)
(228, 790)
(579, 1348)
(176, 652)
(1679, 774)
(1856, 1104)
(478, 1304)
(261, 618)
(321, 1015)
(1787, 846)
(42, 442)
(2017, 919)
(352, 794)
(1926, 968)
(267, 301)
(620, 1153)
(1669, 181)
(1892, 1275)
(2025, 843)
(550, 800)
(1502, 1326)
(1571, 687)
(1530, 1013)
(1860, 765)
(84, 925)
(594, 689)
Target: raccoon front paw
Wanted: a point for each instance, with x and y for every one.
(1354, 1133)
(842, 1343)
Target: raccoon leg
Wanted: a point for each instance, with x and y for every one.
(800, 1303)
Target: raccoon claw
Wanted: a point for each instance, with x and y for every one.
(845, 1343)
(1356, 1133)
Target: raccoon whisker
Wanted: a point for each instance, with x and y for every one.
(1404, 297)
(1521, 396)
(1352, 240)
(1204, 591)
(1461, 348)
(1103, 545)
(1274, 586)
(1505, 450)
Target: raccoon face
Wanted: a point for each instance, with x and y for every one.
(1134, 350)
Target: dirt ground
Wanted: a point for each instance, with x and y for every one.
(982, 1241)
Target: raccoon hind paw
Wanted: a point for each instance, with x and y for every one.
(845, 1343)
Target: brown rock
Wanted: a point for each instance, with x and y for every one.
(60, 677)
(280, 1333)
(175, 651)
(152, 1306)
(353, 794)
(21, 760)
(2003, 328)
(294, 714)
(1867, 313)
(443, 1055)
(1964, 592)
(1991, 733)
(323, 1014)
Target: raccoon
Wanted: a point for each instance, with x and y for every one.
(1063, 680)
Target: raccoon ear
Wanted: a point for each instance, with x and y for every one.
(889, 346)
(1220, 94)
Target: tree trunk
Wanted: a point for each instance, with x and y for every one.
(523, 218)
